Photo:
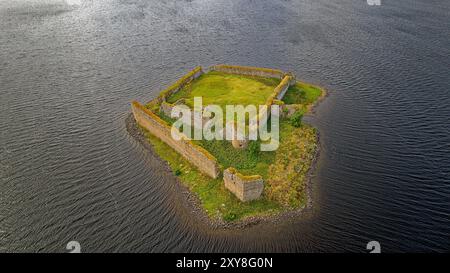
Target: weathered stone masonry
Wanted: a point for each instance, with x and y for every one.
(198, 156)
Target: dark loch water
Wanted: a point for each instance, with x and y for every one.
(70, 171)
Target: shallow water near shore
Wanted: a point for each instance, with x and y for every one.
(69, 170)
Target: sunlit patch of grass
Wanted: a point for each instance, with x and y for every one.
(284, 170)
(227, 89)
(302, 93)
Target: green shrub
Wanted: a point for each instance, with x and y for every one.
(229, 216)
(296, 119)
(178, 172)
(253, 149)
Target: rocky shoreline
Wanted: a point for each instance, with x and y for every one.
(193, 204)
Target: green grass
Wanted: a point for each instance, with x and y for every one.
(227, 89)
(164, 117)
(302, 93)
(286, 181)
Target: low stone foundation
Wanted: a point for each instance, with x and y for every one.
(246, 188)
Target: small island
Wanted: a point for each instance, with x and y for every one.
(234, 181)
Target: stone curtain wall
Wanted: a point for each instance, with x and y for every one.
(287, 79)
(280, 90)
(249, 71)
(196, 155)
(246, 188)
(178, 85)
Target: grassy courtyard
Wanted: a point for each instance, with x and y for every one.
(222, 89)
